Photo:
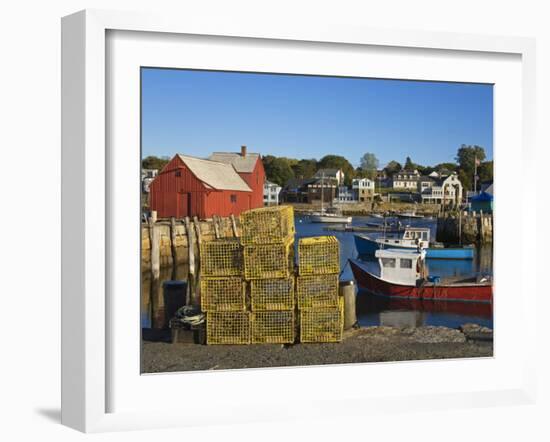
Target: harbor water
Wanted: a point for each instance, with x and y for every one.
(371, 310)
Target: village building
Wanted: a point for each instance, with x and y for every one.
(345, 195)
(189, 186)
(445, 191)
(147, 177)
(325, 188)
(250, 168)
(406, 180)
(363, 189)
(296, 190)
(383, 179)
(271, 193)
(334, 174)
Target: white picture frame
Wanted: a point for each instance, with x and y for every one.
(87, 354)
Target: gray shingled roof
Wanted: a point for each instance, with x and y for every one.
(328, 172)
(242, 164)
(217, 175)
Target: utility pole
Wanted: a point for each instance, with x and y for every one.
(475, 174)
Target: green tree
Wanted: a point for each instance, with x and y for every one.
(305, 168)
(277, 170)
(446, 166)
(153, 162)
(466, 158)
(409, 165)
(393, 167)
(485, 171)
(466, 179)
(369, 165)
(338, 162)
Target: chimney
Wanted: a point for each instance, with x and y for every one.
(243, 151)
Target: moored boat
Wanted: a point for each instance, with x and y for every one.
(403, 274)
(408, 215)
(323, 217)
(412, 238)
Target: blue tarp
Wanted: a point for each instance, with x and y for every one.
(483, 196)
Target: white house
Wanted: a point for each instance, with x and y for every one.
(147, 177)
(335, 174)
(271, 193)
(363, 189)
(446, 190)
(345, 195)
(406, 180)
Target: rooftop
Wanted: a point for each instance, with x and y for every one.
(215, 174)
(242, 163)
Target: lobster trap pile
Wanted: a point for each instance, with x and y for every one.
(317, 290)
(249, 288)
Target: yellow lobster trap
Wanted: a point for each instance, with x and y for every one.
(262, 261)
(273, 327)
(318, 255)
(322, 325)
(317, 291)
(267, 225)
(223, 294)
(227, 328)
(272, 294)
(221, 257)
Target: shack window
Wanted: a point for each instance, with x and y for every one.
(388, 262)
(178, 172)
(406, 263)
(233, 198)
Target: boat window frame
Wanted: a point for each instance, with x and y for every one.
(383, 261)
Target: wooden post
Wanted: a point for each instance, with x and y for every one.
(347, 290)
(155, 274)
(481, 228)
(216, 227)
(196, 292)
(460, 227)
(173, 247)
(234, 226)
(191, 261)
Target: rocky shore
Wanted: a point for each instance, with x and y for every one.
(366, 344)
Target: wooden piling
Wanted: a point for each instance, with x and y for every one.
(347, 291)
(156, 321)
(173, 247)
(234, 226)
(216, 226)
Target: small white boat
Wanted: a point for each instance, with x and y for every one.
(323, 217)
(329, 215)
(408, 215)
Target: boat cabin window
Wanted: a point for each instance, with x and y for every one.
(406, 263)
(388, 262)
(425, 236)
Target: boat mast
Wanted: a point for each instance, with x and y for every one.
(322, 191)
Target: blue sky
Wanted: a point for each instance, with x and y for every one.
(198, 112)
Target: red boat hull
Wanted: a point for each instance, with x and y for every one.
(438, 292)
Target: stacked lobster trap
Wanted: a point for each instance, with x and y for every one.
(268, 242)
(250, 291)
(223, 292)
(317, 290)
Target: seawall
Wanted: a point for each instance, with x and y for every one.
(465, 228)
(167, 241)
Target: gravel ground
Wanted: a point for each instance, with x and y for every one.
(370, 344)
